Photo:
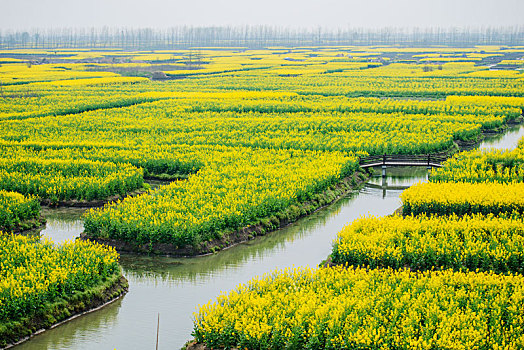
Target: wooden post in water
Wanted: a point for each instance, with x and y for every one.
(384, 166)
(157, 329)
(384, 184)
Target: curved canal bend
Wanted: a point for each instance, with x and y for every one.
(174, 288)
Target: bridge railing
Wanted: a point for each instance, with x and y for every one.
(385, 159)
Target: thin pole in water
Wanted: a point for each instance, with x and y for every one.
(157, 328)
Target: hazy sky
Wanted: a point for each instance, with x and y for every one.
(27, 14)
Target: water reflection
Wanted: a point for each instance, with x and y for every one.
(508, 140)
(396, 179)
(63, 223)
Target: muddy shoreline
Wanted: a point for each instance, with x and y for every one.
(27, 226)
(96, 203)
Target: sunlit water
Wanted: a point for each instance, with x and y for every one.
(174, 288)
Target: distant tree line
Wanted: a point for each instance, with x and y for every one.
(253, 37)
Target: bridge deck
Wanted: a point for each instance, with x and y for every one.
(400, 163)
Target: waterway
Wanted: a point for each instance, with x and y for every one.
(173, 288)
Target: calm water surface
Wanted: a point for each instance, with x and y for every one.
(174, 288)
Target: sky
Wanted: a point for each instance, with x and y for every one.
(332, 14)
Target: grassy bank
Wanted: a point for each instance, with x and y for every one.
(53, 314)
(42, 284)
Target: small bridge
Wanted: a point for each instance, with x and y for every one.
(427, 160)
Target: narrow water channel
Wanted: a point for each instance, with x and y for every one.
(174, 288)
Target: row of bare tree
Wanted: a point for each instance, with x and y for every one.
(254, 37)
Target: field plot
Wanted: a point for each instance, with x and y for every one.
(219, 122)
(254, 139)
